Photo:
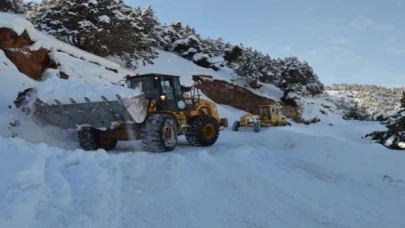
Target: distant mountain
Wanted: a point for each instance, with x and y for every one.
(374, 98)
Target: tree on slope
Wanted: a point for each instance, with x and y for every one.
(12, 6)
(249, 66)
(298, 77)
(402, 101)
(102, 27)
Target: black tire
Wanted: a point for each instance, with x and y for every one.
(204, 131)
(257, 126)
(236, 126)
(108, 144)
(89, 140)
(159, 133)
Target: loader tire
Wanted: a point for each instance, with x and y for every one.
(89, 139)
(159, 133)
(204, 131)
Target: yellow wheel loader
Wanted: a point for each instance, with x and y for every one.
(157, 116)
(270, 115)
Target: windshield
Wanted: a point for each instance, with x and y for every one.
(143, 84)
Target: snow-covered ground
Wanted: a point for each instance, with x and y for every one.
(312, 176)
(299, 176)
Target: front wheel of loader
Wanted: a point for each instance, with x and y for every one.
(204, 131)
(159, 133)
(89, 139)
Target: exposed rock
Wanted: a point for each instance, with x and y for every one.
(223, 92)
(63, 75)
(10, 39)
(31, 63)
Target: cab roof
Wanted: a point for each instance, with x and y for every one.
(152, 75)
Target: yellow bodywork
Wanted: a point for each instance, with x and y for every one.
(200, 107)
(269, 115)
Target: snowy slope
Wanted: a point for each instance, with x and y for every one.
(300, 176)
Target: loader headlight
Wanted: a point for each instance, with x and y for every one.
(162, 97)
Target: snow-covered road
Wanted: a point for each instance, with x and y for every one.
(277, 178)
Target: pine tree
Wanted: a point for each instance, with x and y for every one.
(249, 66)
(233, 54)
(402, 101)
(102, 27)
(12, 6)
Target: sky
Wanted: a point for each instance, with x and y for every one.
(345, 41)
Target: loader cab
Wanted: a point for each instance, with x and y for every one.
(164, 89)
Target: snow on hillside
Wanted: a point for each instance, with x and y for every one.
(170, 63)
(299, 176)
(374, 98)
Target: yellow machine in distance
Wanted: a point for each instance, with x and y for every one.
(270, 115)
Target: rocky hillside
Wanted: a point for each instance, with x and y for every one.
(376, 99)
(133, 35)
(40, 56)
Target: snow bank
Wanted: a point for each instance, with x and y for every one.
(62, 90)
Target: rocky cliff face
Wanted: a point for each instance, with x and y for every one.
(30, 62)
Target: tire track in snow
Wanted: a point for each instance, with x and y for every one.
(146, 177)
(283, 203)
(82, 190)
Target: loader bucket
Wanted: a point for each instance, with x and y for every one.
(98, 114)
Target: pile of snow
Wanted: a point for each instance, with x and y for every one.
(15, 123)
(62, 90)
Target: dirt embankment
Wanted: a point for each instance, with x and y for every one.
(29, 62)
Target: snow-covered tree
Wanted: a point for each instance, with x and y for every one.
(30, 7)
(298, 77)
(402, 101)
(357, 112)
(233, 54)
(12, 6)
(102, 27)
(250, 65)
